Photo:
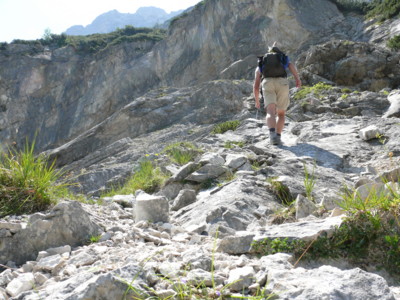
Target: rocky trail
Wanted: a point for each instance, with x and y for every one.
(203, 236)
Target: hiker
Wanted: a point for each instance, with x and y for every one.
(271, 73)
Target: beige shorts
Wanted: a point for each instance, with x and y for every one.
(276, 91)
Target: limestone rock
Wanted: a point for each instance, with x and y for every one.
(238, 244)
(67, 223)
(394, 109)
(370, 132)
(304, 207)
(207, 172)
(184, 198)
(241, 278)
(151, 208)
(22, 283)
(328, 281)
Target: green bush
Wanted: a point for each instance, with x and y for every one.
(225, 126)
(383, 9)
(394, 43)
(28, 183)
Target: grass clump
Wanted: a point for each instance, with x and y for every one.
(317, 90)
(281, 191)
(28, 183)
(147, 177)
(394, 43)
(182, 152)
(225, 126)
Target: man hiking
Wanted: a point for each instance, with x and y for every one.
(271, 73)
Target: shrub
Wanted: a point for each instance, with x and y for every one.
(225, 126)
(394, 43)
(383, 9)
(28, 183)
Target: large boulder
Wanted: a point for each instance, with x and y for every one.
(66, 224)
(347, 63)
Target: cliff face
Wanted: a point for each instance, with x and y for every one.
(61, 93)
(222, 38)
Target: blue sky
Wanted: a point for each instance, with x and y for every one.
(28, 19)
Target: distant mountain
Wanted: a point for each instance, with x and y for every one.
(110, 21)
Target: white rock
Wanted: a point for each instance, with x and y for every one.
(370, 132)
(212, 158)
(6, 277)
(22, 283)
(241, 278)
(235, 161)
(151, 208)
(304, 207)
(49, 263)
(41, 278)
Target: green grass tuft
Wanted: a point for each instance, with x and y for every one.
(148, 178)
(182, 152)
(225, 126)
(28, 183)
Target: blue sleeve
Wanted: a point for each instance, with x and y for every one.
(286, 62)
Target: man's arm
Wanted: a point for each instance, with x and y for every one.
(256, 87)
(293, 70)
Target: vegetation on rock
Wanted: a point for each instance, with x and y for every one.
(147, 177)
(97, 42)
(394, 43)
(225, 126)
(317, 90)
(381, 9)
(369, 236)
(182, 152)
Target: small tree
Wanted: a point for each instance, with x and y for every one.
(47, 35)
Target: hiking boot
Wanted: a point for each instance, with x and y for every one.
(274, 138)
(278, 140)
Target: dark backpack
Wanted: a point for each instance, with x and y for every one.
(272, 64)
